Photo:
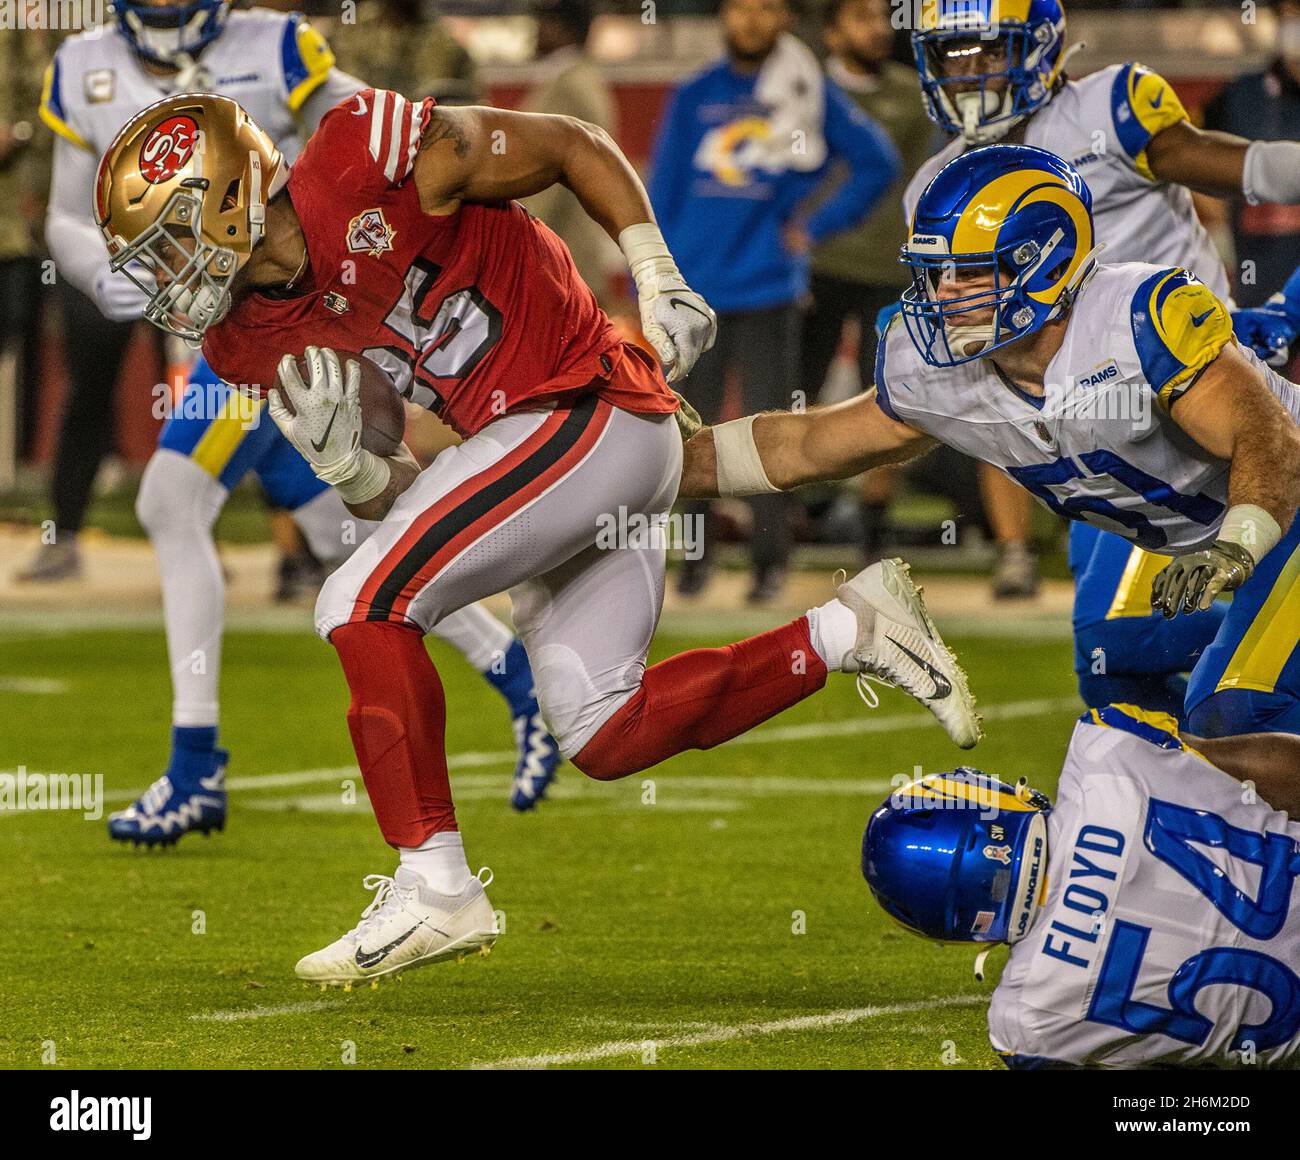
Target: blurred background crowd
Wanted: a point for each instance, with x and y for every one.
(795, 273)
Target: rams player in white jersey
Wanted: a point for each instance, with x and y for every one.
(1151, 912)
(1116, 394)
(282, 72)
(996, 70)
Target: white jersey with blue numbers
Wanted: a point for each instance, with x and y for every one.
(1101, 125)
(1171, 928)
(1100, 445)
(269, 62)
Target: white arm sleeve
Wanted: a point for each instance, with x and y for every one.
(74, 240)
(337, 86)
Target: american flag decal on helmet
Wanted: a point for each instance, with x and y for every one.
(396, 125)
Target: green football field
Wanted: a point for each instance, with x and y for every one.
(709, 913)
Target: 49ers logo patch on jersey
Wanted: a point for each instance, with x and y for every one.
(369, 233)
(167, 150)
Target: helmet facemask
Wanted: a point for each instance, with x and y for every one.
(950, 329)
(181, 199)
(982, 81)
(171, 35)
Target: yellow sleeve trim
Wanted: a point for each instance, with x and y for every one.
(317, 58)
(1156, 107)
(52, 120)
(1194, 326)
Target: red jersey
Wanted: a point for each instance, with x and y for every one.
(473, 315)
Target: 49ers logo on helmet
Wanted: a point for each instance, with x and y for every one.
(168, 148)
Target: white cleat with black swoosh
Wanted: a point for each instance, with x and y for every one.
(898, 644)
(407, 924)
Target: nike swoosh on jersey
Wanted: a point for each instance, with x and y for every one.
(367, 959)
(1197, 319)
(942, 686)
(328, 427)
(363, 109)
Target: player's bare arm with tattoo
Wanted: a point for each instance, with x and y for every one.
(484, 155)
(782, 450)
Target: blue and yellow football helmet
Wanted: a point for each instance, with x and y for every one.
(985, 65)
(1001, 241)
(173, 34)
(960, 856)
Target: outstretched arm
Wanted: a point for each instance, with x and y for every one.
(782, 450)
(1270, 761)
(484, 155)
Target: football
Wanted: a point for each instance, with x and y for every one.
(383, 417)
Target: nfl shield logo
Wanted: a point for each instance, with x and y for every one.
(368, 233)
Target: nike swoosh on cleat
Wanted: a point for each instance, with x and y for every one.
(328, 427)
(367, 959)
(942, 686)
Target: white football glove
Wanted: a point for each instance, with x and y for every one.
(675, 320)
(118, 298)
(323, 421)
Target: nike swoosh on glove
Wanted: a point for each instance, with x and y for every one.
(1192, 582)
(678, 323)
(675, 320)
(323, 421)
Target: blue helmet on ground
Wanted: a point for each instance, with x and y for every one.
(1001, 241)
(959, 856)
(171, 34)
(986, 65)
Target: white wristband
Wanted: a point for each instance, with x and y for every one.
(1272, 172)
(647, 253)
(1252, 528)
(359, 478)
(740, 468)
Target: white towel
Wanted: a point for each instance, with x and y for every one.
(791, 85)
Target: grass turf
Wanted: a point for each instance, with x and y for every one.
(709, 913)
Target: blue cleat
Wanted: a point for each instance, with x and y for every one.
(539, 752)
(189, 797)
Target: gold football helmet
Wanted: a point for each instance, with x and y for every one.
(181, 199)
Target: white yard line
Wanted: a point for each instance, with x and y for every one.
(766, 735)
(265, 1012)
(829, 1021)
(41, 686)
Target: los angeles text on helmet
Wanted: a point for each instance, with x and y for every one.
(61, 15)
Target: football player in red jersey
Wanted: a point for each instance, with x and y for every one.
(395, 235)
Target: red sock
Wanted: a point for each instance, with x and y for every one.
(701, 698)
(397, 719)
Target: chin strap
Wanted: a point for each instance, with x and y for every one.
(980, 960)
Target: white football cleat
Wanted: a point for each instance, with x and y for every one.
(897, 643)
(407, 924)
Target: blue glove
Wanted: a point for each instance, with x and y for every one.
(1270, 329)
(885, 316)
